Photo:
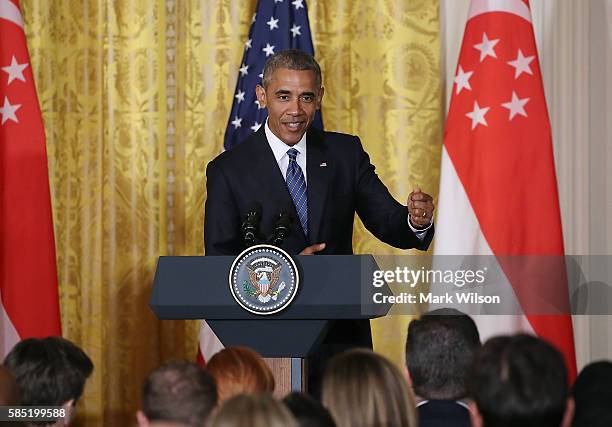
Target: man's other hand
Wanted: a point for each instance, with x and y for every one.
(420, 208)
(311, 250)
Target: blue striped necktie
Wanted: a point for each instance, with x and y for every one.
(297, 188)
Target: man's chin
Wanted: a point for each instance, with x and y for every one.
(292, 137)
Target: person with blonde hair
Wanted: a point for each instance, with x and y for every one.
(362, 388)
(253, 410)
(239, 370)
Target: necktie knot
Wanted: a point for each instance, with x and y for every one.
(292, 153)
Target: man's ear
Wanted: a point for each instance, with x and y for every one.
(475, 416)
(261, 95)
(568, 415)
(68, 406)
(142, 419)
(320, 97)
(407, 375)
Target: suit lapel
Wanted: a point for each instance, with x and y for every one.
(268, 172)
(318, 182)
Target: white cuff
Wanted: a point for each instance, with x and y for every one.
(420, 233)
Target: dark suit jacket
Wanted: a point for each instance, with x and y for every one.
(443, 413)
(341, 181)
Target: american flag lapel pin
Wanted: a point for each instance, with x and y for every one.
(323, 165)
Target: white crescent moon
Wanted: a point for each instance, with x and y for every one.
(515, 7)
(10, 12)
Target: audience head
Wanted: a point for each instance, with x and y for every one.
(592, 393)
(362, 388)
(439, 352)
(253, 410)
(307, 411)
(49, 371)
(177, 394)
(240, 370)
(519, 381)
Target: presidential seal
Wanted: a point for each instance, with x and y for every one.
(263, 279)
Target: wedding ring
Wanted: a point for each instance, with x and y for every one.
(424, 214)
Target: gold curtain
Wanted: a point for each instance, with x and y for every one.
(135, 97)
(381, 71)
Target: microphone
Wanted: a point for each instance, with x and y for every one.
(250, 225)
(282, 228)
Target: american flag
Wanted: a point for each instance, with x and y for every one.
(276, 26)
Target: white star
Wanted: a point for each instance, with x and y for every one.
(268, 49)
(278, 1)
(462, 80)
(516, 106)
(486, 47)
(259, 107)
(239, 96)
(260, 75)
(254, 17)
(237, 122)
(248, 44)
(477, 115)
(255, 126)
(298, 4)
(8, 111)
(272, 23)
(295, 30)
(521, 64)
(15, 70)
(244, 70)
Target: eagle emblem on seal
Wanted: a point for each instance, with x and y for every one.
(263, 281)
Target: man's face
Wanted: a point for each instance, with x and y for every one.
(292, 98)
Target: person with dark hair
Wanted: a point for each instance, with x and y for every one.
(439, 353)
(308, 411)
(319, 179)
(364, 389)
(240, 370)
(177, 394)
(49, 371)
(519, 381)
(592, 393)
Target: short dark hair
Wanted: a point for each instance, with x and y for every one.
(439, 353)
(49, 371)
(308, 411)
(292, 59)
(182, 392)
(519, 381)
(593, 396)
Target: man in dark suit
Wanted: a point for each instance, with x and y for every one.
(336, 176)
(440, 350)
(321, 179)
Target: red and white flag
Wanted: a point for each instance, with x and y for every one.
(29, 303)
(498, 190)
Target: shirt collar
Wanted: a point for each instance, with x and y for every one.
(279, 148)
